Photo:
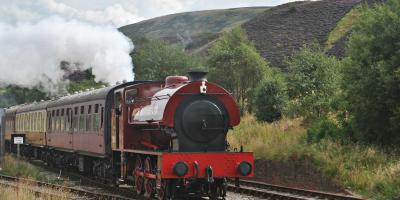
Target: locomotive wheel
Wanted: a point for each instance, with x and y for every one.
(149, 184)
(162, 193)
(165, 192)
(138, 179)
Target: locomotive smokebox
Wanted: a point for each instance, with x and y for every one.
(197, 75)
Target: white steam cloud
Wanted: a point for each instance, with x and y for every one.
(31, 53)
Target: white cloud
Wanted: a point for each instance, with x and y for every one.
(114, 14)
(35, 10)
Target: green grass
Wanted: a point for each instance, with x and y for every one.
(343, 26)
(191, 23)
(18, 168)
(366, 170)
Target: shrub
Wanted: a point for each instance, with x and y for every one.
(270, 99)
(325, 128)
(313, 82)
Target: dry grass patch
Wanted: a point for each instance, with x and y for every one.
(272, 141)
(24, 192)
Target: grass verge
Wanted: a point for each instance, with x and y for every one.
(24, 192)
(18, 168)
(366, 170)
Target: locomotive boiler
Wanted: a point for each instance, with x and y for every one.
(167, 138)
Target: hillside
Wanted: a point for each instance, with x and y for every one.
(281, 30)
(191, 28)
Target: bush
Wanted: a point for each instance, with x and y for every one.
(270, 99)
(313, 83)
(326, 128)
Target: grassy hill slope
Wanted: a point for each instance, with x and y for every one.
(191, 28)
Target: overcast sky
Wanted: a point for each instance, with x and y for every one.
(117, 12)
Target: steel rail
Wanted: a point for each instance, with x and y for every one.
(265, 190)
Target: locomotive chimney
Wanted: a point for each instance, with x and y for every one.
(197, 75)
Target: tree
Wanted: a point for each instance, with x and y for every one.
(85, 81)
(270, 98)
(13, 95)
(155, 60)
(372, 74)
(313, 81)
(235, 64)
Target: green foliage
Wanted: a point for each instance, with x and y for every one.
(13, 95)
(270, 98)
(155, 60)
(313, 82)
(87, 82)
(83, 85)
(372, 74)
(327, 128)
(235, 64)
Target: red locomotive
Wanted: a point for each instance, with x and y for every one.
(166, 138)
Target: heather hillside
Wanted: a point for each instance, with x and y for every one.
(281, 30)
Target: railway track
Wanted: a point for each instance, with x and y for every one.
(37, 188)
(270, 191)
(89, 181)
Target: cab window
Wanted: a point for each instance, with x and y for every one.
(130, 96)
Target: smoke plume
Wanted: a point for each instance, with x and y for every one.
(31, 52)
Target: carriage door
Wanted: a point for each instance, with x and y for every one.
(117, 121)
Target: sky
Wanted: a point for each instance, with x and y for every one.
(117, 12)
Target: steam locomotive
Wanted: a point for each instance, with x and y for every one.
(167, 138)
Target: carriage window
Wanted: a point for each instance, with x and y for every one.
(76, 110)
(96, 108)
(130, 96)
(35, 117)
(89, 123)
(68, 120)
(82, 123)
(90, 109)
(58, 112)
(101, 117)
(62, 112)
(39, 122)
(82, 109)
(49, 121)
